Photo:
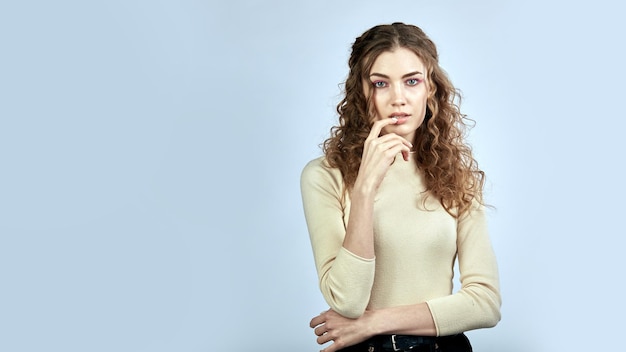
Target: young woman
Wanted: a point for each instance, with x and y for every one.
(396, 199)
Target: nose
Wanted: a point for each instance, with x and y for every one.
(398, 98)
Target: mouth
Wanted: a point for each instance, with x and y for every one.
(401, 117)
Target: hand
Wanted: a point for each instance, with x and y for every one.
(379, 152)
(342, 331)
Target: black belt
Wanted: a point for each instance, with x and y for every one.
(408, 343)
(395, 343)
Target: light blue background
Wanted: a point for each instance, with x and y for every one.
(150, 154)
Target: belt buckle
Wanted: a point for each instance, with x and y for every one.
(393, 343)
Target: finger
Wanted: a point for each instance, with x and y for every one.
(393, 138)
(405, 155)
(377, 127)
(332, 348)
(320, 330)
(391, 148)
(390, 155)
(324, 338)
(320, 319)
(387, 149)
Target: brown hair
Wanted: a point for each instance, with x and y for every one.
(450, 170)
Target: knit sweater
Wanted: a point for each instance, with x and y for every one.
(416, 243)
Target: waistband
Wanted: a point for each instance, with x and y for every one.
(398, 343)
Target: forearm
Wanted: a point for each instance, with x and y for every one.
(402, 320)
(349, 283)
(346, 275)
(359, 238)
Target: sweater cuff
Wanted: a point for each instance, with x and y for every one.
(350, 285)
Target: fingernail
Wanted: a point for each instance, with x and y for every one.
(395, 119)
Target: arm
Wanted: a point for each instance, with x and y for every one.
(405, 320)
(345, 278)
(344, 253)
(477, 303)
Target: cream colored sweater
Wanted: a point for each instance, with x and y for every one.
(416, 245)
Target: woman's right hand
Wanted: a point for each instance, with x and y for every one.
(379, 152)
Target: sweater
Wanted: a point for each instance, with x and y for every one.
(416, 243)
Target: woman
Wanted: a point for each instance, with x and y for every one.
(396, 199)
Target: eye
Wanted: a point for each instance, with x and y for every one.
(379, 84)
(413, 81)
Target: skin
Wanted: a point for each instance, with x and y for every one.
(400, 89)
(400, 94)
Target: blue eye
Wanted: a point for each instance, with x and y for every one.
(413, 81)
(379, 84)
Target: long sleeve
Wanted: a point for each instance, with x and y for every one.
(345, 279)
(477, 303)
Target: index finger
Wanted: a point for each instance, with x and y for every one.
(377, 127)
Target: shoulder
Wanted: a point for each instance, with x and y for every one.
(475, 209)
(318, 173)
(319, 167)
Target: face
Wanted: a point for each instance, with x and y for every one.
(400, 90)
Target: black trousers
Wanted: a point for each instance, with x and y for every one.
(382, 343)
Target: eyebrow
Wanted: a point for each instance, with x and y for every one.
(404, 76)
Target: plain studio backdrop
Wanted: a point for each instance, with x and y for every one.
(150, 156)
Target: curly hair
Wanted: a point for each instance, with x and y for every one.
(450, 170)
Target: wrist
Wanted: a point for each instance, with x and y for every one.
(363, 191)
(373, 323)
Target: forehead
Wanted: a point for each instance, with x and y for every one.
(400, 60)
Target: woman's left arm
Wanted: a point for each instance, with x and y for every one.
(404, 320)
(477, 303)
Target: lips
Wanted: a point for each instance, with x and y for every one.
(401, 117)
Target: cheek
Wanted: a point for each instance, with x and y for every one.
(421, 99)
(376, 104)
(424, 101)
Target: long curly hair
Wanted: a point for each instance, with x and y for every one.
(451, 172)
